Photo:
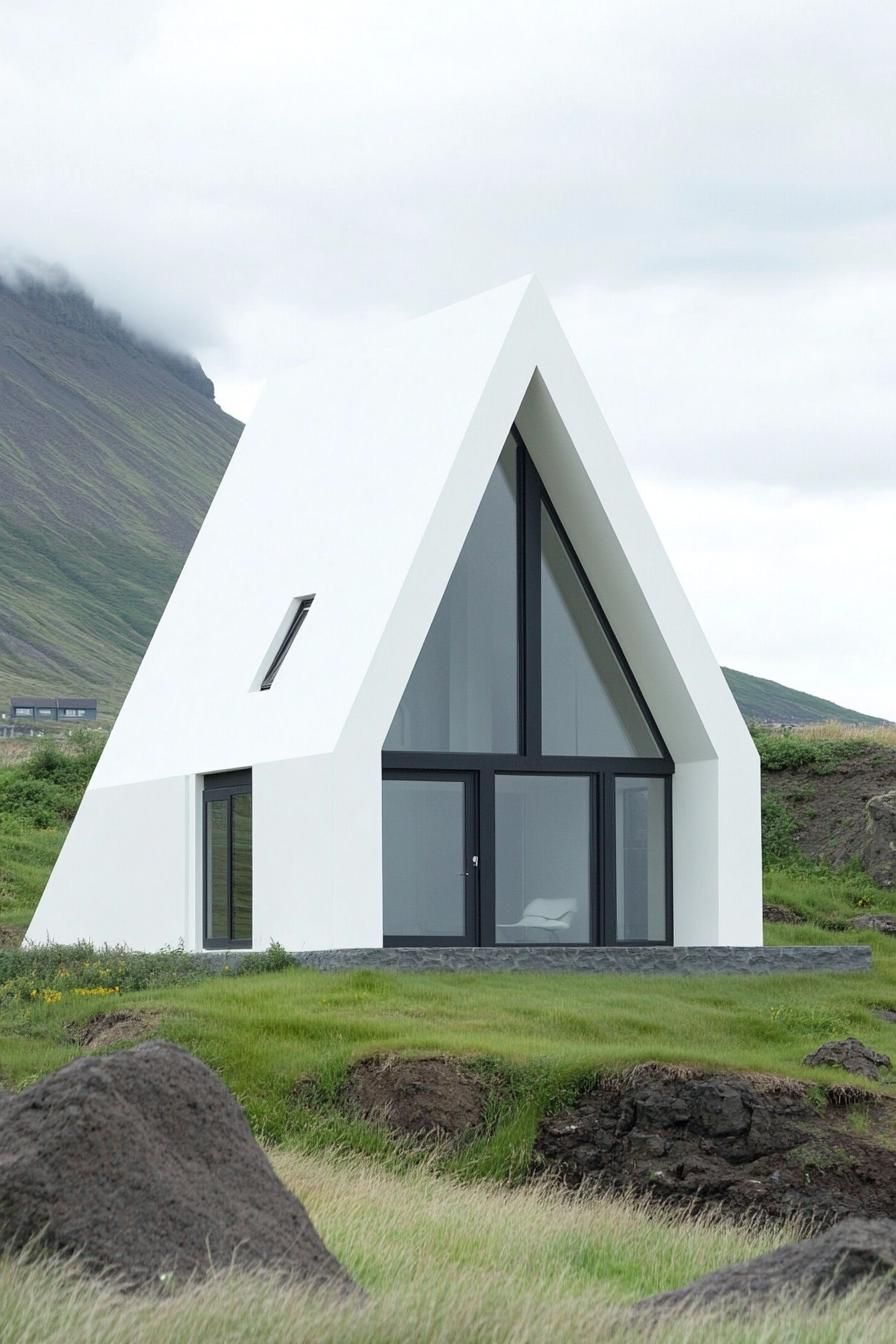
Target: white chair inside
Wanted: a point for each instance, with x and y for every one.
(546, 912)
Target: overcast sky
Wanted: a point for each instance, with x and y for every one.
(707, 191)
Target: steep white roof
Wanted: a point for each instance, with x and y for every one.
(356, 480)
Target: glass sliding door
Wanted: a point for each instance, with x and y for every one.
(429, 860)
(544, 860)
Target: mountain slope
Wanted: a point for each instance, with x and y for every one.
(110, 450)
(764, 701)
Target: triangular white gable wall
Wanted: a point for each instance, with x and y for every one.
(357, 480)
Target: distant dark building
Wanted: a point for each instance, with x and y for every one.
(34, 709)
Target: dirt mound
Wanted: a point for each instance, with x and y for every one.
(113, 1028)
(829, 808)
(144, 1163)
(855, 1251)
(432, 1095)
(742, 1145)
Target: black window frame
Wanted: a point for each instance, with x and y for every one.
(226, 785)
(531, 495)
(472, 822)
(302, 609)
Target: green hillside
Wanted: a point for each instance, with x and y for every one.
(110, 450)
(762, 701)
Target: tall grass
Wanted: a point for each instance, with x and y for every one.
(441, 1263)
(880, 735)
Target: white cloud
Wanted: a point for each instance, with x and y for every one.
(707, 191)
(790, 586)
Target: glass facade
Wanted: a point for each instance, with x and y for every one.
(640, 811)
(506, 818)
(462, 695)
(543, 858)
(424, 858)
(588, 706)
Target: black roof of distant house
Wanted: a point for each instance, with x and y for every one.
(44, 707)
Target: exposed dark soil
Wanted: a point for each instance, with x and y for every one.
(433, 1095)
(741, 1145)
(114, 1028)
(143, 1163)
(829, 808)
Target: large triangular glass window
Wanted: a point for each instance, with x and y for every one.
(588, 706)
(463, 694)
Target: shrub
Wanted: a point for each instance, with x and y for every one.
(778, 832)
(46, 789)
(81, 969)
(785, 749)
(35, 801)
(276, 958)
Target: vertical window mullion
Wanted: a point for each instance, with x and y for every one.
(670, 924)
(532, 591)
(608, 867)
(595, 852)
(487, 857)
(230, 867)
(522, 632)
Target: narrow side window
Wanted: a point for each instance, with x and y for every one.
(302, 607)
(227, 823)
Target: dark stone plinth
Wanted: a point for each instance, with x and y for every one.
(588, 960)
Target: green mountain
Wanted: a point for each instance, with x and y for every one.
(110, 450)
(762, 701)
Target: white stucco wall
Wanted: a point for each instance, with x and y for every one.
(357, 480)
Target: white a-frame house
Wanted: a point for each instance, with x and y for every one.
(427, 678)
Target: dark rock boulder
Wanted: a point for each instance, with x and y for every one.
(876, 923)
(144, 1164)
(742, 1146)
(851, 1055)
(417, 1096)
(780, 914)
(879, 840)
(856, 1251)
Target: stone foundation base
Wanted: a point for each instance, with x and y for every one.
(589, 960)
